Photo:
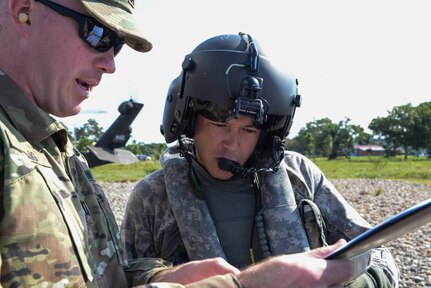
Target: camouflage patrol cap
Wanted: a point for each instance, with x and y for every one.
(117, 15)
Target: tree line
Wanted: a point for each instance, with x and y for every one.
(406, 129)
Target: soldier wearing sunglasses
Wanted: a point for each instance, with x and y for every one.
(56, 226)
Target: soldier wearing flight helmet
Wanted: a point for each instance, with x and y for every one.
(228, 189)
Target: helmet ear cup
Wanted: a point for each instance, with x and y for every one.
(176, 115)
(171, 128)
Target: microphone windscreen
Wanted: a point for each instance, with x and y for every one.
(226, 164)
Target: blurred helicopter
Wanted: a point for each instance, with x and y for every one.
(110, 148)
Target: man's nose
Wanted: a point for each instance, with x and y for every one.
(106, 62)
(232, 140)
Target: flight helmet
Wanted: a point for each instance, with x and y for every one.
(227, 76)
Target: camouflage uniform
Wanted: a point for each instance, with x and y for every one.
(56, 226)
(165, 219)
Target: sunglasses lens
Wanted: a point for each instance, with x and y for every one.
(117, 46)
(99, 37)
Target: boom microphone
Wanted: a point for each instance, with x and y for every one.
(236, 168)
(230, 166)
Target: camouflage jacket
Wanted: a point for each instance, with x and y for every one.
(56, 226)
(165, 219)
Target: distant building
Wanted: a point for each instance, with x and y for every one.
(368, 150)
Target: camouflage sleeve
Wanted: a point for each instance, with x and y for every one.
(373, 277)
(140, 271)
(382, 260)
(341, 219)
(149, 228)
(140, 229)
(137, 230)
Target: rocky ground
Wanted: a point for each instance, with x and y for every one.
(376, 200)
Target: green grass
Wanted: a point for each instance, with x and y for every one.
(414, 170)
(124, 173)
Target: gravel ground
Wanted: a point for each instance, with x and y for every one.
(376, 200)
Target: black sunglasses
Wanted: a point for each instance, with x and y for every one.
(91, 31)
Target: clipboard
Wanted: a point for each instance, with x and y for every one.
(403, 223)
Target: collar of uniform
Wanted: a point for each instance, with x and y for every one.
(26, 116)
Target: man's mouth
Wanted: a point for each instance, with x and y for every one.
(84, 85)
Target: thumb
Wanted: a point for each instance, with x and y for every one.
(324, 251)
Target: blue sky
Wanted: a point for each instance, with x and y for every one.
(355, 59)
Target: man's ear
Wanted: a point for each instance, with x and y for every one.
(20, 10)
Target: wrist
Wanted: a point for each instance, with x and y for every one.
(159, 275)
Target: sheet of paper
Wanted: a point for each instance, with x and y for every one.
(403, 223)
